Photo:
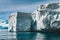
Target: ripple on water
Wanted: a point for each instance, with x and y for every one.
(5, 35)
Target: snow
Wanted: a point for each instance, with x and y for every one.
(46, 15)
(3, 23)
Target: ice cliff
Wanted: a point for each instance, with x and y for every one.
(47, 16)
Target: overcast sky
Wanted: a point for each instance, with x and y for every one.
(9, 6)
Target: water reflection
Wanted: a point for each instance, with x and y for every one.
(52, 36)
(36, 36)
(26, 36)
(5, 35)
(11, 35)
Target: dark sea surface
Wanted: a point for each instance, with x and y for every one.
(5, 35)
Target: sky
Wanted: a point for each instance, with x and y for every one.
(9, 6)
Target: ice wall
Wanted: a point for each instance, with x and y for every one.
(20, 21)
(12, 22)
(47, 16)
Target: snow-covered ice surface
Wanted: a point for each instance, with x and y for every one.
(47, 16)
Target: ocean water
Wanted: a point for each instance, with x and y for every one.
(5, 35)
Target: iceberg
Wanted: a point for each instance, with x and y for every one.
(47, 16)
(20, 21)
(3, 24)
